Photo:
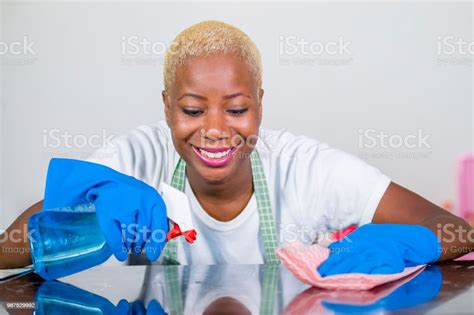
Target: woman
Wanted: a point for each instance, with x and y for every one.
(252, 189)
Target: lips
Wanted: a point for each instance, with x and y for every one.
(215, 157)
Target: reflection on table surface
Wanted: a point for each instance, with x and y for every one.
(234, 289)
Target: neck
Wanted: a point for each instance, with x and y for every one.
(225, 199)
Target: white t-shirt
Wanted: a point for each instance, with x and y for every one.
(313, 189)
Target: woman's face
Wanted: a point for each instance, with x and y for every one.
(214, 110)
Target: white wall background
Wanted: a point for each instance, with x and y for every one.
(392, 81)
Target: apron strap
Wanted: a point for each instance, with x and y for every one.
(265, 214)
(269, 289)
(170, 252)
(173, 290)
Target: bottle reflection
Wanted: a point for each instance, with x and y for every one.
(55, 297)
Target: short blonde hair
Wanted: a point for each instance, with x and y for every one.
(211, 38)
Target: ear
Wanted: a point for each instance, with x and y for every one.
(260, 103)
(166, 102)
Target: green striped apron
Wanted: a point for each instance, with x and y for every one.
(267, 233)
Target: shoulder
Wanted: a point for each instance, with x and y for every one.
(145, 152)
(146, 134)
(284, 145)
(143, 141)
(308, 165)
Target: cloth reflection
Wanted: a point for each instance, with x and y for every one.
(413, 290)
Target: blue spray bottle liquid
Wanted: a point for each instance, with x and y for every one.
(66, 240)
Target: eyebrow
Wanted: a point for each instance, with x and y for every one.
(200, 97)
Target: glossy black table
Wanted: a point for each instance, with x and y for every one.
(446, 288)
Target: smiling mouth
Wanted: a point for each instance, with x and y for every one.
(214, 157)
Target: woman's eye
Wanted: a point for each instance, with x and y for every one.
(237, 112)
(192, 112)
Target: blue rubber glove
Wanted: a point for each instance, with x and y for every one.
(138, 308)
(130, 213)
(421, 289)
(382, 249)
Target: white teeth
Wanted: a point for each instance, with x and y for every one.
(214, 155)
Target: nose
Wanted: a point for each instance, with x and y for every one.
(215, 127)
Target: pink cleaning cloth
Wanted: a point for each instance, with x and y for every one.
(469, 256)
(303, 262)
